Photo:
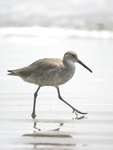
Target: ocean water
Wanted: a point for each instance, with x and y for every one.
(82, 14)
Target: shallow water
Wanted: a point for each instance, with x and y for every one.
(56, 127)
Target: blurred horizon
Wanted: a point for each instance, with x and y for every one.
(71, 14)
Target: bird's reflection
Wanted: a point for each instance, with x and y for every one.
(50, 135)
(47, 133)
(60, 125)
(35, 126)
(79, 118)
(56, 129)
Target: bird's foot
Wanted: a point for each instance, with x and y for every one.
(77, 117)
(78, 112)
(33, 115)
(74, 111)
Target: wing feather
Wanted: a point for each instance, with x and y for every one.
(38, 67)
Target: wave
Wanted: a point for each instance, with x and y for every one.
(53, 32)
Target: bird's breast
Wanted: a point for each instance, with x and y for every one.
(65, 74)
(70, 69)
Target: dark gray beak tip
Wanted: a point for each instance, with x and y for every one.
(80, 62)
(91, 71)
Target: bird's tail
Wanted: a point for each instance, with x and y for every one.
(11, 72)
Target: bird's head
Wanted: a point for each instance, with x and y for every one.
(73, 57)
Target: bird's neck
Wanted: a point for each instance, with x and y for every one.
(69, 65)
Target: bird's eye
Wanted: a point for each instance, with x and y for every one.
(73, 55)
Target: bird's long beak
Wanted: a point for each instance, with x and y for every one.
(80, 62)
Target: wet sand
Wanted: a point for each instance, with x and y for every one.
(56, 127)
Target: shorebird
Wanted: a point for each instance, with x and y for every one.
(50, 72)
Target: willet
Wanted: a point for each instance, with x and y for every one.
(50, 72)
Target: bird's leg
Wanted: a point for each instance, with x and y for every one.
(35, 96)
(74, 109)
